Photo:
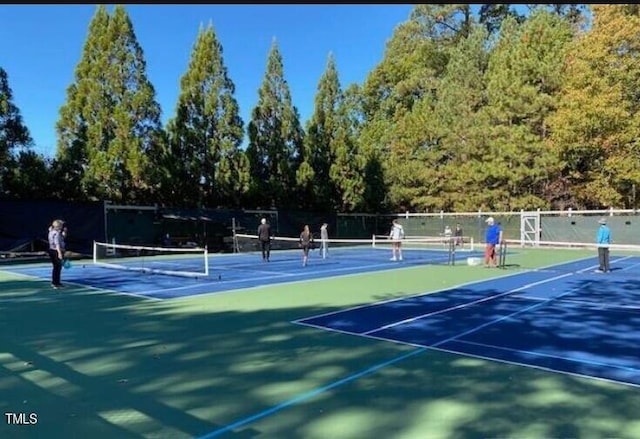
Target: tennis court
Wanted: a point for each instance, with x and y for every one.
(346, 348)
(145, 274)
(566, 319)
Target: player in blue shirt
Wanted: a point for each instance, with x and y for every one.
(493, 237)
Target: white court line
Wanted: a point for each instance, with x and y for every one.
(453, 287)
(630, 266)
(89, 287)
(465, 354)
(500, 319)
(464, 305)
(531, 366)
(555, 357)
(319, 278)
(226, 282)
(278, 275)
(601, 306)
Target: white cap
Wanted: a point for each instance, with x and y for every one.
(489, 220)
(263, 220)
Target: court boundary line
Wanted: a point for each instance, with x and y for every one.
(469, 355)
(467, 304)
(213, 282)
(308, 395)
(441, 290)
(369, 334)
(478, 356)
(210, 293)
(612, 308)
(533, 366)
(456, 338)
(555, 357)
(298, 321)
(89, 287)
(523, 272)
(500, 319)
(293, 282)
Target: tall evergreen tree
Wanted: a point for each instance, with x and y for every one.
(275, 139)
(109, 128)
(320, 146)
(14, 134)
(72, 157)
(348, 169)
(207, 131)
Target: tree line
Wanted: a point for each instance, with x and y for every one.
(502, 109)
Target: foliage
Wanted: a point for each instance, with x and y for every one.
(596, 128)
(515, 107)
(206, 133)
(23, 173)
(275, 140)
(109, 128)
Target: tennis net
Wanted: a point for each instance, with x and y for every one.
(458, 243)
(174, 261)
(435, 250)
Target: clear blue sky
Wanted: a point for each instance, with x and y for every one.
(40, 46)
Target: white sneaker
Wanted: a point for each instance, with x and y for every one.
(400, 258)
(392, 259)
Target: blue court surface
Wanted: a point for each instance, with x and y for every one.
(566, 319)
(228, 272)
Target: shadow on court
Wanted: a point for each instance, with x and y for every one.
(99, 365)
(586, 324)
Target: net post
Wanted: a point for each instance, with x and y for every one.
(234, 241)
(373, 241)
(206, 261)
(503, 254)
(95, 252)
(471, 244)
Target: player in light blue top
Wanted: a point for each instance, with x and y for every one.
(603, 239)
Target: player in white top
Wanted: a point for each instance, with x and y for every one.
(396, 235)
(324, 240)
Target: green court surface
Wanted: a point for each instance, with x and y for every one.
(94, 364)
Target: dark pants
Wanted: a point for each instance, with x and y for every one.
(57, 267)
(266, 249)
(603, 258)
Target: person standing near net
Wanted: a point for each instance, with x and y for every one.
(264, 236)
(56, 238)
(324, 240)
(603, 239)
(396, 235)
(493, 237)
(306, 239)
(458, 236)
